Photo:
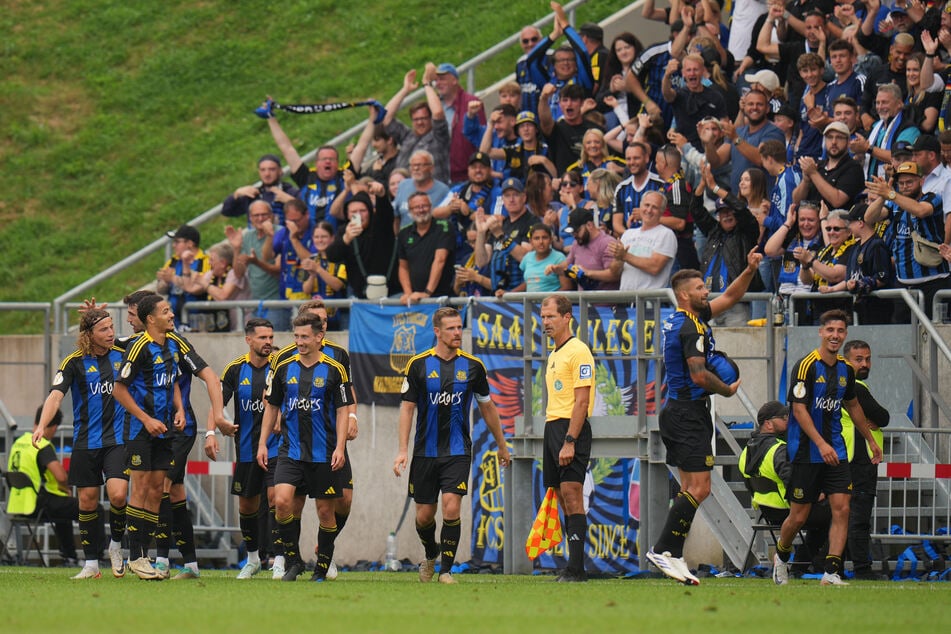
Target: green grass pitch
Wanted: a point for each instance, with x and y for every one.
(47, 600)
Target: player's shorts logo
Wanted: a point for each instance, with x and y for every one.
(237, 487)
(136, 460)
(708, 461)
(798, 493)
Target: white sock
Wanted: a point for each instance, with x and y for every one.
(92, 564)
(193, 566)
(279, 560)
(114, 545)
(162, 560)
(253, 557)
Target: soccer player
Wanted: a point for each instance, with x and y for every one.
(148, 390)
(821, 384)
(245, 379)
(345, 475)
(569, 379)
(311, 390)
(89, 373)
(685, 423)
(440, 384)
(175, 521)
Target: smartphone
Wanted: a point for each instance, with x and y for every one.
(356, 219)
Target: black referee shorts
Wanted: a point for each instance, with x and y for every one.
(553, 473)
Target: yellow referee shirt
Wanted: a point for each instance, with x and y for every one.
(569, 366)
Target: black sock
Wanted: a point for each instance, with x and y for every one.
(150, 525)
(449, 543)
(249, 530)
(285, 525)
(163, 531)
(117, 523)
(138, 537)
(833, 564)
(679, 519)
(277, 544)
(89, 534)
(341, 521)
(264, 531)
(296, 526)
(427, 535)
(326, 535)
(784, 551)
(576, 529)
(183, 531)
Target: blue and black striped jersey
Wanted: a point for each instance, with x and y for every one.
(247, 384)
(149, 370)
(821, 388)
(97, 416)
(685, 335)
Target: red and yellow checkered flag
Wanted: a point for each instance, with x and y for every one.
(546, 530)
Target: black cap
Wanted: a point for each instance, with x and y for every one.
(903, 148)
(857, 212)
(926, 143)
(480, 157)
(592, 30)
(771, 409)
(579, 217)
(186, 232)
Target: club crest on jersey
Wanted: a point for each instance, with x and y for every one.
(584, 371)
(461, 375)
(799, 390)
(318, 381)
(842, 381)
(58, 379)
(115, 366)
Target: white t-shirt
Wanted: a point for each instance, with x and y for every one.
(644, 243)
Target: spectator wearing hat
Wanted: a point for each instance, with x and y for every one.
(564, 134)
(429, 130)
(891, 128)
(868, 269)
(837, 179)
(426, 253)
(528, 153)
(570, 63)
(731, 235)
(367, 248)
(187, 261)
(271, 190)
(789, 50)
(767, 81)
(502, 240)
(937, 178)
(882, 25)
(592, 35)
(455, 103)
(767, 470)
(913, 215)
(590, 262)
(786, 119)
(465, 199)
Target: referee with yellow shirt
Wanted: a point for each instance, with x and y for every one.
(569, 378)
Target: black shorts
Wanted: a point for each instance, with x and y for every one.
(864, 478)
(319, 478)
(269, 474)
(809, 479)
(149, 454)
(553, 474)
(181, 447)
(247, 480)
(429, 476)
(687, 431)
(88, 466)
(345, 474)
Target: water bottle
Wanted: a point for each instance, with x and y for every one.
(391, 562)
(779, 310)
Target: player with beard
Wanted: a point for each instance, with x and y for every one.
(821, 384)
(838, 180)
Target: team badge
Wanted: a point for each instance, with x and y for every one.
(708, 461)
(115, 366)
(404, 389)
(126, 370)
(799, 391)
(558, 384)
(797, 493)
(842, 381)
(237, 487)
(136, 460)
(58, 379)
(584, 371)
(318, 381)
(461, 375)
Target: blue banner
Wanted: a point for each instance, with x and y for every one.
(611, 488)
(382, 341)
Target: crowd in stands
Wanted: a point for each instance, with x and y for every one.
(817, 131)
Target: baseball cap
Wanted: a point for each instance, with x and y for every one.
(592, 30)
(446, 67)
(186, 232)
(767, 78)
(926, 143)
(837, 126)
(908, 168)
(526, 116)
(512, 183)
(900, 10)
(857, 212)
(273, 158)
(771, 409)
(579, 217)
(480, 157)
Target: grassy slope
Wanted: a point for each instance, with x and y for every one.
(391, 602)
(121, 120)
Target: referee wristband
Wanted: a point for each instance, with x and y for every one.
(210, 433)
